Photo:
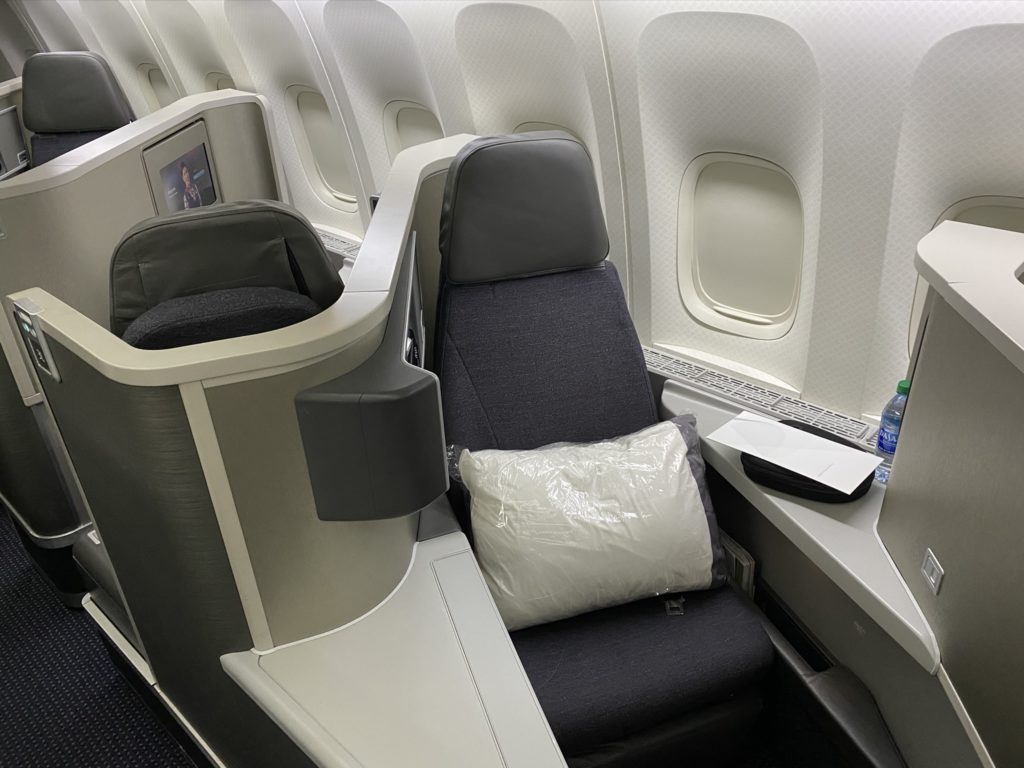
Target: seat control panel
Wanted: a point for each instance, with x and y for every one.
(26, 316)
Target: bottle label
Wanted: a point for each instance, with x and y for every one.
(887, 440)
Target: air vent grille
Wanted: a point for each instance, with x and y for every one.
(760, 398)
(347, 248)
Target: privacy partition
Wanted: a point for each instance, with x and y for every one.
(956, 486)
(248, 525)
(59, 224)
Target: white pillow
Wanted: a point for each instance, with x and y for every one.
(568, 528)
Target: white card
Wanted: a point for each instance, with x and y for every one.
(837, 466)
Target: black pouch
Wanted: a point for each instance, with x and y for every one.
(786, 481)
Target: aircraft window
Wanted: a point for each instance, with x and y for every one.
(542, 126)
(407, 124)
(994, 211)
(740, 245)
(216, 81)
(159, 93)
(322, 143)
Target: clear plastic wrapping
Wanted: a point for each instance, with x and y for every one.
(570, 528)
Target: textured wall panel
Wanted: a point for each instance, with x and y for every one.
(127, 46)
(188, 42)
(866, 54)
(372, 60)
(495, 66)
(726, 82)
(961, 138)
(58, 30)
(279, 54)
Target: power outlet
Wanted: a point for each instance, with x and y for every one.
(740, 564)
(932, 571)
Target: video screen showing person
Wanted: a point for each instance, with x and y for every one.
(188, 182)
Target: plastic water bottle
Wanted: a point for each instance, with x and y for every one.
(889, 431)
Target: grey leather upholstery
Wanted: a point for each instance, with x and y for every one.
(251, 244)
(69, 99)
(525, 204)
(72, 92)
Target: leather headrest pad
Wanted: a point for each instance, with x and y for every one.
(254, 244)
(72, 92)
(520, 205)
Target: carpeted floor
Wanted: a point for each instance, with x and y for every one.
(63, 703)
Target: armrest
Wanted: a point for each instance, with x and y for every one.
(352, 318)
(842, 542)
(429, 678)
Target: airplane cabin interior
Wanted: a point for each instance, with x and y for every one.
(511, 383)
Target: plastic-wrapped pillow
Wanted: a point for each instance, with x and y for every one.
(571, 528)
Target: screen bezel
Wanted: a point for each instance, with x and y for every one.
(158, 156)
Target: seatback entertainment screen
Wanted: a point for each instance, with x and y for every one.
(187, 182)
(182, 170)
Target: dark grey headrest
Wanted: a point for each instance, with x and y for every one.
(251, 244)
(520, 205)
(71, 92)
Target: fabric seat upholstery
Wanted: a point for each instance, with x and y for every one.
(218, 315)
(69, 99)
(535, 345)
(611, 674)
(219, 272)
(553, 338)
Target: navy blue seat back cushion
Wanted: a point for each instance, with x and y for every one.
(539, 360)
(534, 344)
(45, 147)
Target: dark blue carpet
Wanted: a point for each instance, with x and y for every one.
(63, 703)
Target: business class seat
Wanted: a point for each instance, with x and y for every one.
(535, 346)
(69, 99)
(217, 273)
(204, 275)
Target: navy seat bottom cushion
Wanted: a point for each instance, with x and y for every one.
(607, 675)
(216, 315)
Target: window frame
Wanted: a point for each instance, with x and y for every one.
(701, 306)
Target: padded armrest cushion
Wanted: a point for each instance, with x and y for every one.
(217, 315)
